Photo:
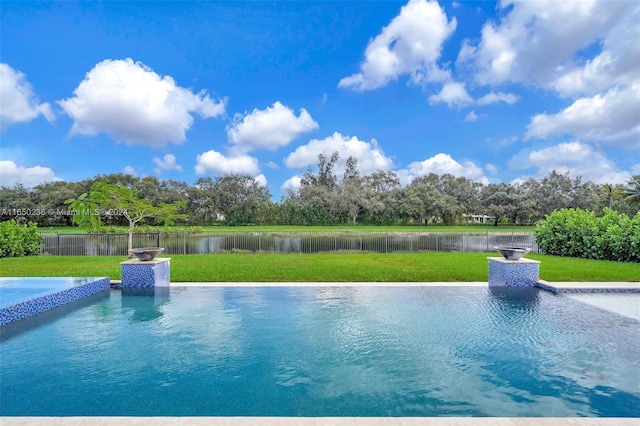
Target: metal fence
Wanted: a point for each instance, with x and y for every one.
(284, 242)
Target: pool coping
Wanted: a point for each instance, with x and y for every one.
(554, 287)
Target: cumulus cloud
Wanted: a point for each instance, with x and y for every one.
(216, 163)
(18, 103)
(261, 179)
(616, 64)
(133, 104)
(472, 116)
(612, 117)
(579, 159)
(12, 174)
(493, 97)
(453, 94)
(443, 163)
(167, 163)
(538, 41)
(293, 183)
(410, 45)
(130, 170)
(270, 128)
(369, 155)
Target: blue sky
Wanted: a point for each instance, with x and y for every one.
(493, 91)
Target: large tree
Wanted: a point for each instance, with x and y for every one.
(106, 199)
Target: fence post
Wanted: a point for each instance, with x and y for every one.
(487, 241)
(158, 239)
(58, 243)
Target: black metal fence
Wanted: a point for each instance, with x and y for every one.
(284, 242)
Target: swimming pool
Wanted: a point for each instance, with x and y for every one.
(325, 351)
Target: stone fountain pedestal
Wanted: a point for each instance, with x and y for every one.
(146, 273)
(513, 273)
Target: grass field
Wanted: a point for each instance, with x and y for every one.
(330, 267)
(342, 228)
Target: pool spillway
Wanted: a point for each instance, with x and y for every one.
(21, 298)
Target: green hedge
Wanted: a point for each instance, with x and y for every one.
(580, 233)
(19, 240)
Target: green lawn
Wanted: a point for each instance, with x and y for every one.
(348, 267)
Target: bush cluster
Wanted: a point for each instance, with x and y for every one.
(580, 233)
(19, 240)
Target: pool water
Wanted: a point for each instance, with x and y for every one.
(16, 290)
(325, 351)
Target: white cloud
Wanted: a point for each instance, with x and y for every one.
(492, 169)
(453, 94)
(472, 116)
(270, 128)
(217, 164)
(129, 170)
(443, 163)
(494, 97)
(168, 162)
(612, 117)
(12, 174)
(538, 41)
(369, 155)
(135, 105)
(410, 45)
(261, 179)
(577, 158)
(18, 103)
(293, 184)
(616, 64)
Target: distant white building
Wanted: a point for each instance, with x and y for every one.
(478, 218)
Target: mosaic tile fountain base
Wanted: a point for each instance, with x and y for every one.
(60, 291)
(146, 274)
(513, 273)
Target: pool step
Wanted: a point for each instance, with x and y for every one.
(590, 287)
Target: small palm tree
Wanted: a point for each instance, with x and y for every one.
(609, 193)
(632, 191)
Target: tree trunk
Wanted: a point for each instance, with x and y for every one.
(130, 240)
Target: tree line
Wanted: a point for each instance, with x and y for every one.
(325, 198)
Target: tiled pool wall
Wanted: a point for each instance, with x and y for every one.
(28, 308)
(513, 273)
(146, 274)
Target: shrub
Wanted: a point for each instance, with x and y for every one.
(19, 240)
(580, 233)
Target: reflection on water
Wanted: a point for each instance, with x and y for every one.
(328, 351)
(146, 303)
(515, 297)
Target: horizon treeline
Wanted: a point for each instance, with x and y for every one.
(324, 198)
